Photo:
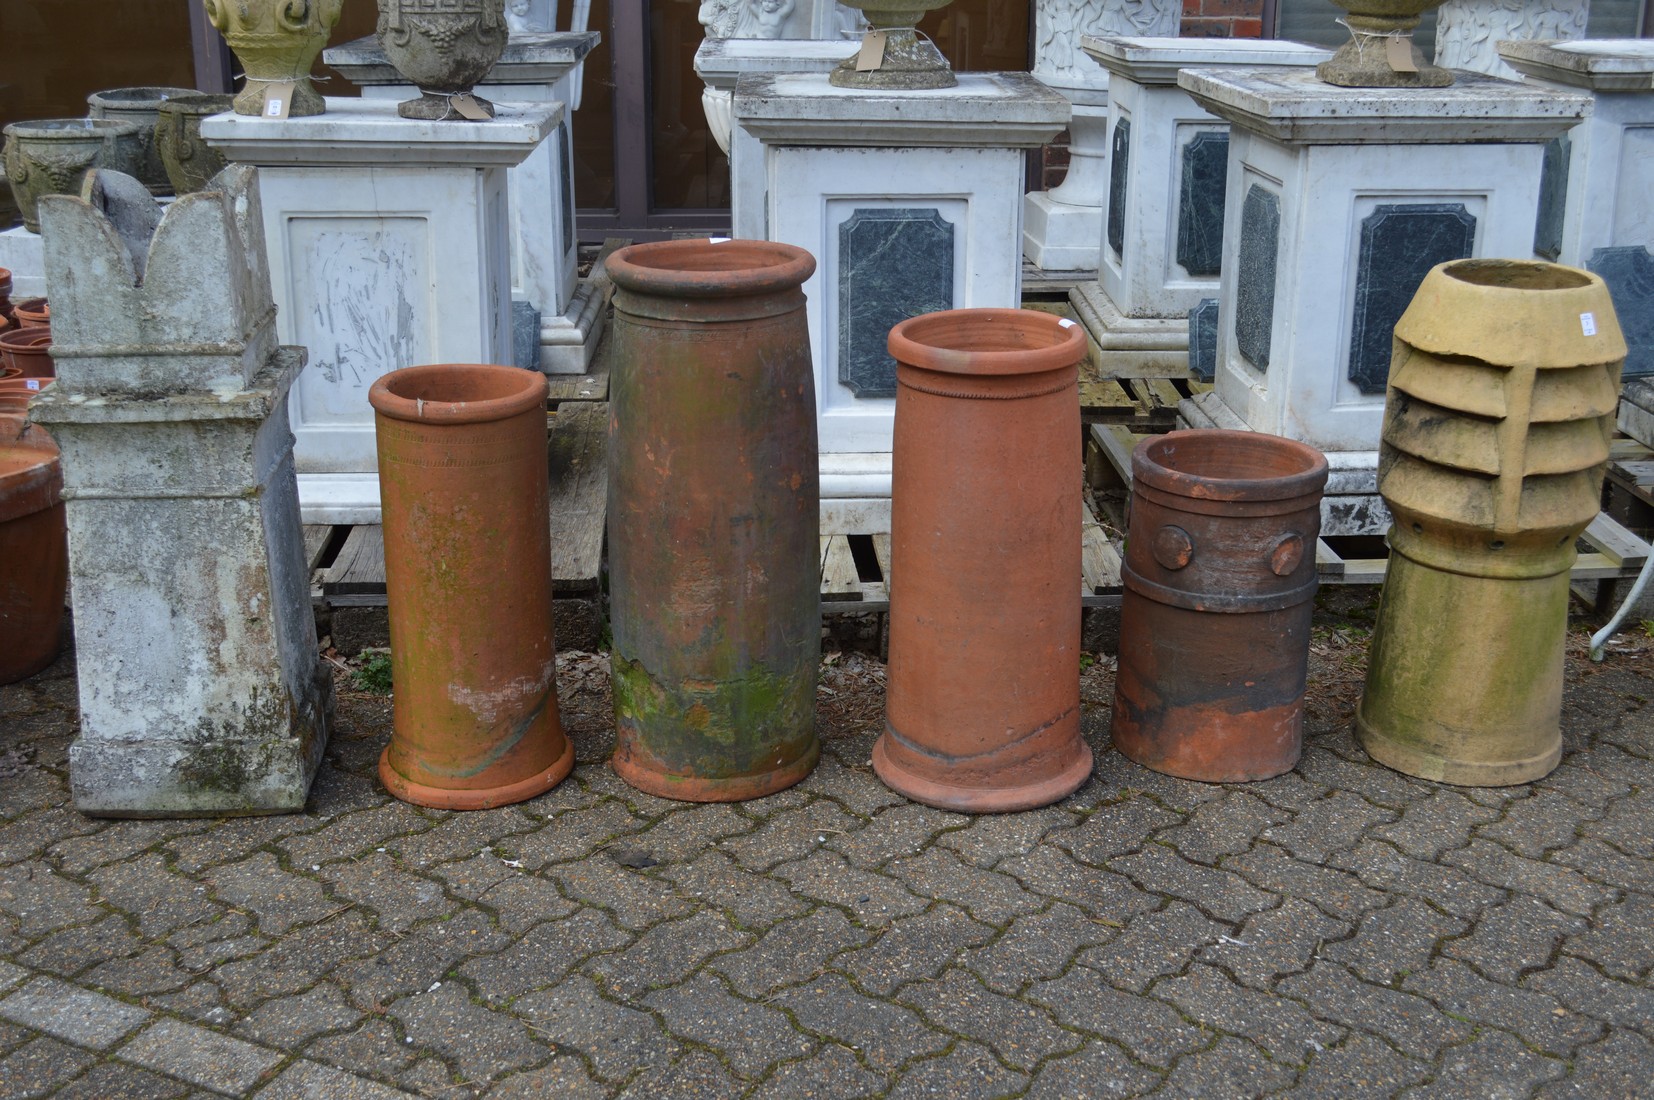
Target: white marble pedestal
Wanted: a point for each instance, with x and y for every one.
(1597, 206)
(720, 62)
(1339, 201)
(389, 243)
(1061, 227)
(21, 254)
(1161, 240)
(536, 68)
(910, 202)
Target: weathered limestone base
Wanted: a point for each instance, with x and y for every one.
(568, 340)
(1131, 347)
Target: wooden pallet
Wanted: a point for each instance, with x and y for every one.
(1148, 405)
(1610, 551)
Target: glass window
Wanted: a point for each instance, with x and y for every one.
(1316, 22)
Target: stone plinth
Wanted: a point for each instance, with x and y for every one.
(1339, 200)
(389, 246)
(536, 68)
(1061, 227)
(909, 202)
(1161, 242)
(1596, 209)
(202, 691)
(720, 62)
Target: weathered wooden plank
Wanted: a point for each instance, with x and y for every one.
(316, 538)
(1616, 543)
(576, 459)
(1099, 560)
(600, 272)
(1107, 394)
(1165, 392)
(1327, 561)
(360, 565)
(1117, 442)
(583, 387)
(881, 553)
(839, 579)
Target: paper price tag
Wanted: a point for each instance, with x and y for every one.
(1588, 324)
(469, 108)
(278, 99)
(1065, 322)
(717, 240)
(1399, 53)
(872, 52)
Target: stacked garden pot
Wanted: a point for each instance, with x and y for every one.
(463, 487)
(983, 698)
(714, 558)
(34, 558)
(1219, 588)
(1501, 403)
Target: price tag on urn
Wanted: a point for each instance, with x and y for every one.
(278, 99)
(872, 52)
(467, 107)
(1399, 53)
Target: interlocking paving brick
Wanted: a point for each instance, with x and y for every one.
(1153, 944)
(695, 1074)
(79, 1016)
(1225, 827)
(1396, 941)
(397, 899)
(1273, 943)
(1619, 939)
(113, 1081)
(309, 1081)
(1617, 1066)
(633, 899)
(1359, 1068)
(544, 956)
(750, 1037)
(1115, 779)
(1565, 889)
(278, 899)
(1627, 824)
(1584, 989)
(667, 953)
(151, 971)
(11, 975)
(1516, 935)
(1223, 894)
(37, 1068)
(233, 839)
(1100, 1071)
(1385, 869)
(575, 834)
(913, 948)
(990, 838)
(1152, 1030)
(1580, 778)
(374, 1047)
(755, 901)
(1229, 1067)
(968, 1071)
(1352, 783)
(873, 899)
(1328, 825)
(1607, 865)
(43, 901)
(480, 1042)
(1540, 1020)
(1104, 895)
(1412, 1024)
(680, 836)
(1281, 1026)
(1290, 791)
(1036, 945)
(199, 1056)
(354, 834)
(1339, 894)
(1437, 823)
(885, 1035)
(298, 961)
(72, 950)
(832, 1073)
(562, 1078)
(600, 779)
(792, 951)
(1116, 829)
(789, 835)
(520, 899)
(1535, 826)
(1494, 1063)
(462, 835)
(287, 1023)
(897, 831)
(116, 841)
(1021, 1034)
(851, 783)
(145, 887)
(989, 896)
(618, 1041)
(29, 837)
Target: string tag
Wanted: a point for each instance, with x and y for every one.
(1399, 53)
(469, 108)
(1588, 324)
(872, 52)
(278, 99)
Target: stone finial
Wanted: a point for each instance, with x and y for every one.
(192, 311)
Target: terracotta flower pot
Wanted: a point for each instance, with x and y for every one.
(190, 161)
(29, 350)
(463, 486)
(1219, 590)
(982, 706)
(1501, 403)
(7, 310)
(143, 107)
(33, 312)
(33, 547)
(714, 555)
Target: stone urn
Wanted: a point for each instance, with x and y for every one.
(141, 106)
(190, 161)
(52, 156)
(910, 61)
(1370, 59)
(444, 48)
(277, 42)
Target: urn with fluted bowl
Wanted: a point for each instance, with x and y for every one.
(445, 47)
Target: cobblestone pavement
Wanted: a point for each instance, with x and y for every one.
(1339, 932)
